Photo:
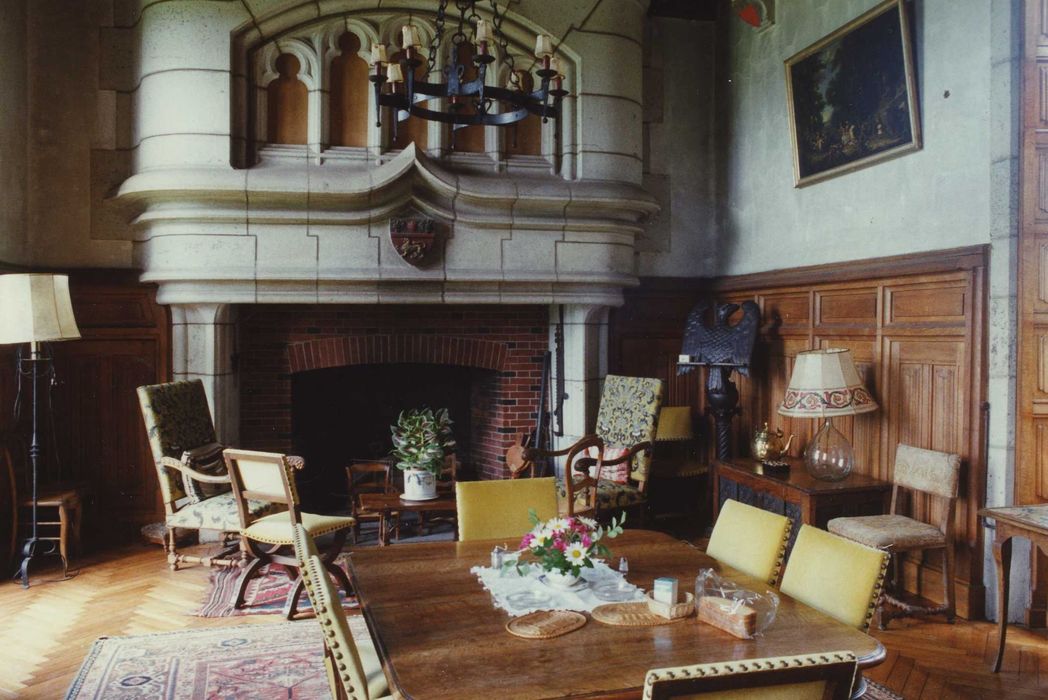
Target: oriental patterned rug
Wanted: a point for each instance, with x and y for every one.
(266, 593)
(262, 662)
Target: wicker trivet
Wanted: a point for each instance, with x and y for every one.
(629, 615)
(545, 624)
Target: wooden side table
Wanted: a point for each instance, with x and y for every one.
(1030, 522)
(796, 494)
(385, 504)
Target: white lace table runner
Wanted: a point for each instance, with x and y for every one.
(579, 598)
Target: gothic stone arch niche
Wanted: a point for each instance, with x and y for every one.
(339, 111)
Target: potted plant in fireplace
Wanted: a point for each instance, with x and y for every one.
(422, 439)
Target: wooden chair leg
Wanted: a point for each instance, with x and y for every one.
(249, 572)
(331, 564)
(948, 584)
(63, 537)
(298, 585)
(172, 555)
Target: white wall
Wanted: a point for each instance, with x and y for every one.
(959, 190)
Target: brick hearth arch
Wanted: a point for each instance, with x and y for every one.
(343, 351)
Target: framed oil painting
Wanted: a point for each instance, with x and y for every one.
(852, 96)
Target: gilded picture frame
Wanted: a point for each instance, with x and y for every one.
(852, 96)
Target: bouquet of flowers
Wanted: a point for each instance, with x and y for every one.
(567, 545)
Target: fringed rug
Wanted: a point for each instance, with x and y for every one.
(876, 691)
(266, 593)
(255, 662)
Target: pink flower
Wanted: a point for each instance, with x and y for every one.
(587, 541)
(525, 543)
(560, 544)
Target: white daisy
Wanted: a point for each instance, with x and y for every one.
(557, 524)
(575, 553)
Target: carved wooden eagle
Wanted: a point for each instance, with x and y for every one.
(720, 344)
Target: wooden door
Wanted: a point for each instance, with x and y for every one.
(1031, 436)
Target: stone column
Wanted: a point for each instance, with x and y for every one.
(585, 346)
(203, 340)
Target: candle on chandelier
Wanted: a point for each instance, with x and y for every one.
(378, 54)
(543, 46)
(394, 74)
(410, 36)
(483, 31)
(554, 65)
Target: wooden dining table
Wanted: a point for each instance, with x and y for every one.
(439, 634)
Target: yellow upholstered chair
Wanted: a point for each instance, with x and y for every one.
(353, 667)
(809, 677)
(927, 471)
(271, 477)
(750, 540)
(838, 577)
(499, 508)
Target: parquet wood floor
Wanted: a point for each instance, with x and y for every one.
(48, 630)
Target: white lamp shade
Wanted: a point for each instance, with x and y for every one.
(825, 383)
(36, 308)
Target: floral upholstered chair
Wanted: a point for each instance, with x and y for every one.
(626, 423)
(194, 483)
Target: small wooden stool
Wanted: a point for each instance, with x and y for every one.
(67, 504)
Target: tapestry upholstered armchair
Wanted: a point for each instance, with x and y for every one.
(194, 483)
(626, 423)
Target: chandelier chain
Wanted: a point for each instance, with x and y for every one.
(504, 55)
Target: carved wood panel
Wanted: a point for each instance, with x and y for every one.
(98, 432)
(917, 340)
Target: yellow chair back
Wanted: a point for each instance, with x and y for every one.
(838, 577)
(499, 508)
(750, 540)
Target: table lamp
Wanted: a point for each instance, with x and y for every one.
(825, 384)
(35, 308)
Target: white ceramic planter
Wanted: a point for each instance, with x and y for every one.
(419, 485)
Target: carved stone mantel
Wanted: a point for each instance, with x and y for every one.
(307, 233)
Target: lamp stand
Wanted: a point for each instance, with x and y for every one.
(39, 366)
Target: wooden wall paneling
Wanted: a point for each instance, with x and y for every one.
(288, 104)
(1031, 462)
(350, 93)
(101, 439)
(915, 325)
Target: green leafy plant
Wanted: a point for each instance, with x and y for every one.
(421, 439)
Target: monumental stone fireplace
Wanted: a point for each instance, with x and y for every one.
(265, 208)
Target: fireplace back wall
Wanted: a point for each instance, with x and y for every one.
(278, 341)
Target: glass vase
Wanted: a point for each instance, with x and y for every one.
(829, 455)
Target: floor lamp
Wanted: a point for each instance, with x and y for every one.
(35, 309)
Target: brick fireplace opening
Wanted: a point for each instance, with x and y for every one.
(377, 359)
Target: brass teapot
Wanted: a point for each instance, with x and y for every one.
(767, 445)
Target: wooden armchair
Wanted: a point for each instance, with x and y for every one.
(270, 538)
(194, 483)
(367, 476)
(626, 424)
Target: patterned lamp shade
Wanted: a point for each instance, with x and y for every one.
(35, 308)
(674, 424)
(825, 383)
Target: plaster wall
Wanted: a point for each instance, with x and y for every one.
(679, 159)
(13, 134)
(960, 189)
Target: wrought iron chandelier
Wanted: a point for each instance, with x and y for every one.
(497, 106)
